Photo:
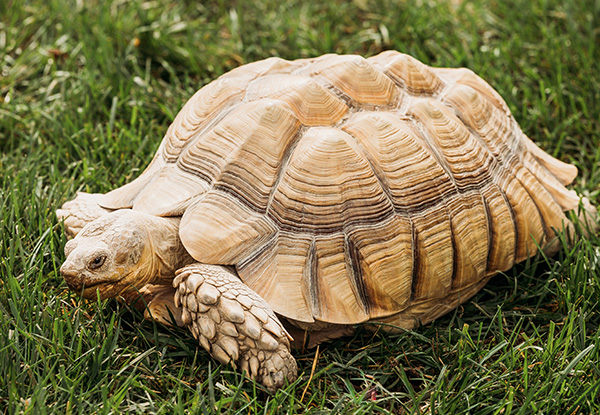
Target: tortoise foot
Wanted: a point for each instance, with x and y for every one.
(234, 324)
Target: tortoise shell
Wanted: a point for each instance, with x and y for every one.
(346, 189)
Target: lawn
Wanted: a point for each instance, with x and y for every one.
(87, 90)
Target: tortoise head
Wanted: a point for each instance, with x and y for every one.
(111, 255)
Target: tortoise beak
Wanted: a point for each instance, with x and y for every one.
(71, 276)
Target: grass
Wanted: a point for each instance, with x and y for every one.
(88, 88)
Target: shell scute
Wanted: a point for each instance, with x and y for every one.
(356, 78)
(408, 72)
(312, 103)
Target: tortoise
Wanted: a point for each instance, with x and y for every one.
(309, 196)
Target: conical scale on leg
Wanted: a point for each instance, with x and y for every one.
(221, 331)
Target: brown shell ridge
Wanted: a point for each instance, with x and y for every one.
(379, 175)
(283, 165)
(513, 156)
(313, 104)
(430, 145)
(414, 76)
(355, 273)
(317, 192)
(498, 239)
(202, 132)
(356, 80)
(206, 107)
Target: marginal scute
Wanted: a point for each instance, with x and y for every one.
(526, 215)
(433, 253)
(276, 274)
(336, 298)
(502, 233)
(470, 235)
(381, 258)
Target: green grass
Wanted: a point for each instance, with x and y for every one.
(88, 88)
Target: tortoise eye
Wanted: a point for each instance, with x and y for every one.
(97, 262)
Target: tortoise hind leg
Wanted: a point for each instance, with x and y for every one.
(234, 324)
(80, 211)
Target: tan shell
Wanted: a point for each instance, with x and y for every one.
(346, 189)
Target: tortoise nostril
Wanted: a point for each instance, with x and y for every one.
(70, 274)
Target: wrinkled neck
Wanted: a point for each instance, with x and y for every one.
(168, 253)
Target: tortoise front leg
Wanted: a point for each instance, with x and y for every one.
(234, 324)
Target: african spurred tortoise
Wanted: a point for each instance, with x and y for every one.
(322, 192)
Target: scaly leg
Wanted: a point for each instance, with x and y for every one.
(234, 324)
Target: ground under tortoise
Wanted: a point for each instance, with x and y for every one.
(321, 193)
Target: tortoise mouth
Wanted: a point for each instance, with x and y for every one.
(101, 289)
(91, 289)
(81, 282)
